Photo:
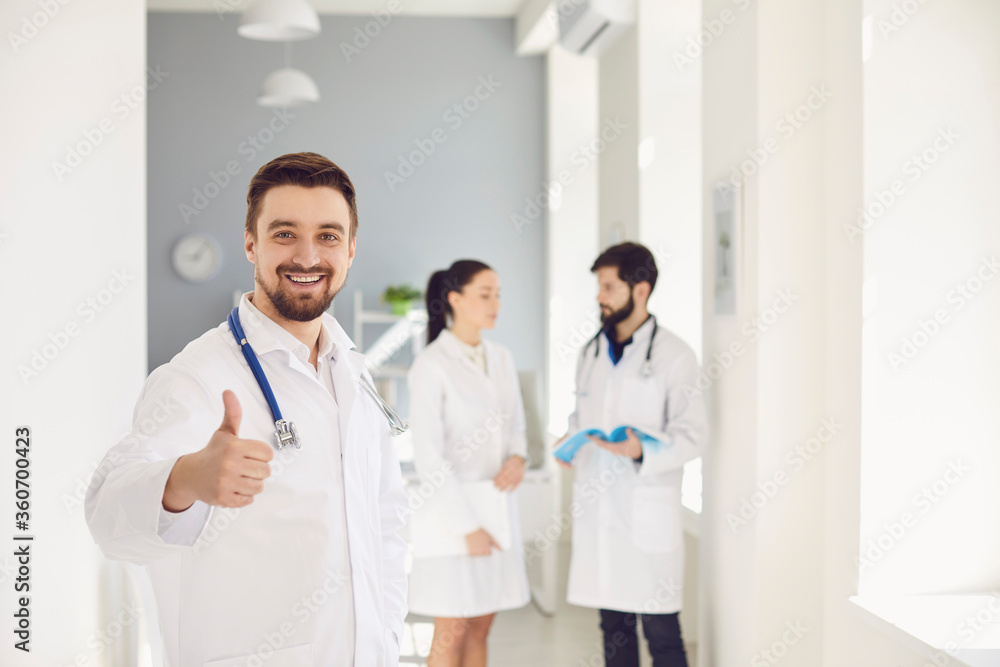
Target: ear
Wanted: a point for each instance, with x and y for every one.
(453, 297)
(249, 245)
(642, 291)
(351, 250)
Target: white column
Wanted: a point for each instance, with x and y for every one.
(73, 262)
(668, 162)
(571, 246)
(617, 140)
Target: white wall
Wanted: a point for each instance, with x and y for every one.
(730, 464)
(619, 168)
(932, 85)
(789, 562)
(571, 225)
(668, 159)
(571, 244)
(62, 242)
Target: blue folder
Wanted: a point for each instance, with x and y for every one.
(568, 449)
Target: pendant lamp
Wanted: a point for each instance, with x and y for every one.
(287, 87)
(279, 21)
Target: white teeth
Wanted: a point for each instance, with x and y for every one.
(304, 280)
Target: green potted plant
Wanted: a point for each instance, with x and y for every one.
(400, 298)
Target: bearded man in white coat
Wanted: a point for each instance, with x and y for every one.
(628, 548)
(258, 555)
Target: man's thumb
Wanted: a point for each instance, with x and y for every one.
(232, 415)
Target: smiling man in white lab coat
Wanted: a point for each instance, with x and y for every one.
(263, 556)
(628, 548)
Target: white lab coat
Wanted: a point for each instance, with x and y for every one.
(628, 549)
(233, 584)
(466, 423)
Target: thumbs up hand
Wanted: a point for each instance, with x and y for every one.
(228, 472)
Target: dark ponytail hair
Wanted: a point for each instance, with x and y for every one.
(441, 283)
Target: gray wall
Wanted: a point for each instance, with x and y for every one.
(397, 90)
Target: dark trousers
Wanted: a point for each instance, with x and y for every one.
(621, 645)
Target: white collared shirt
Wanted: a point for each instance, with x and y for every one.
(477, 353)
(300, 351)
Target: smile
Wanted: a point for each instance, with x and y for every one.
(305, 280)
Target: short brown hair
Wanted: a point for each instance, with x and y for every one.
(634, 262)
(308, 170)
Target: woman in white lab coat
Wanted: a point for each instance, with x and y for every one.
(467, 421)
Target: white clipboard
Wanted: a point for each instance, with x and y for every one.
(434, 537)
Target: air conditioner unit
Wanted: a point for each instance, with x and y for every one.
(589, 27)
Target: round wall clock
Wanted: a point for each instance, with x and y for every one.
(197, 258)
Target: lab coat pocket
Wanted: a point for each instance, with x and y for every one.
(655, 519)
(642, 403)
(297, 656)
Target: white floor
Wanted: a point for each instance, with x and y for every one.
(525, 637)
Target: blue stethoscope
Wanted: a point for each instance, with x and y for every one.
(284, 430)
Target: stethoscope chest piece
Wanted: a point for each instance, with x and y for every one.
(286, 434)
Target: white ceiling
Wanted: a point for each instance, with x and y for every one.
(494, 8)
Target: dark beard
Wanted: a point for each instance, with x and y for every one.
(610, 321)
(303, 310)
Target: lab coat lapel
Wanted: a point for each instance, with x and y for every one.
(347, 369)
(494, 372)
(485, 382)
